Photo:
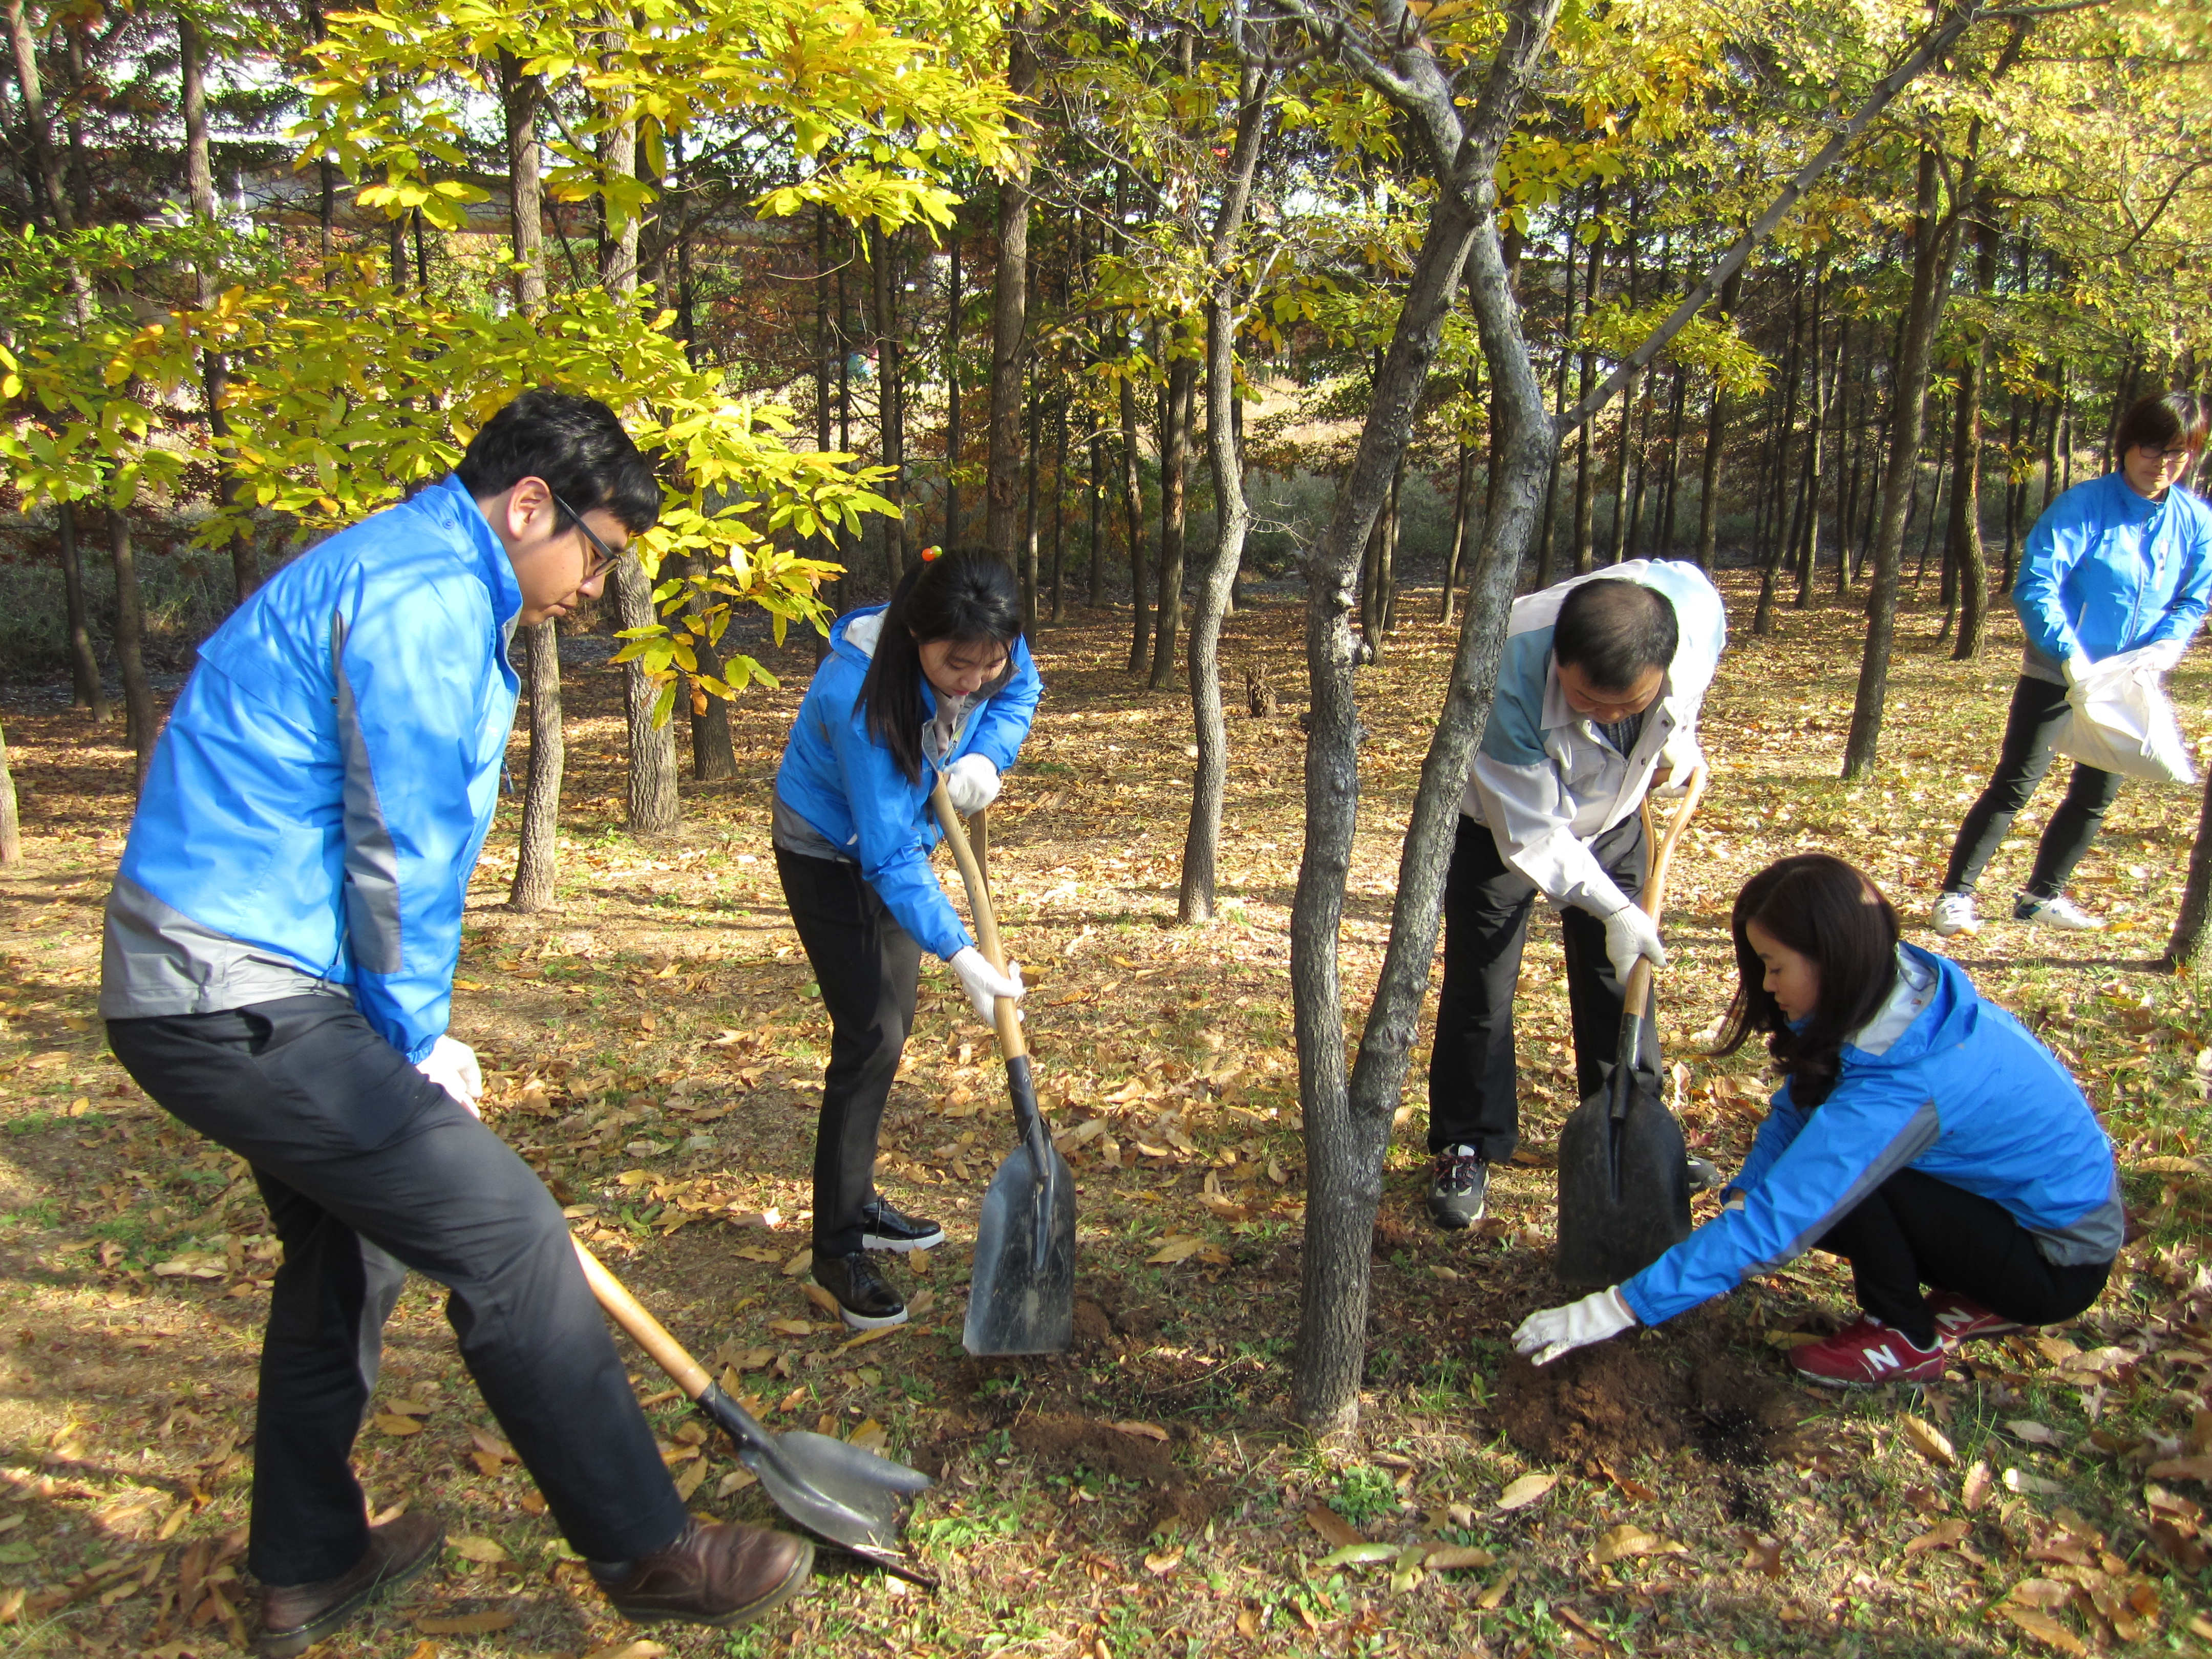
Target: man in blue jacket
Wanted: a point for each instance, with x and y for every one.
(278, 973)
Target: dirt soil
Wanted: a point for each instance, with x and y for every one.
(1650, 1395)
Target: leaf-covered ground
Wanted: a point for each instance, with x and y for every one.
(654, 1046)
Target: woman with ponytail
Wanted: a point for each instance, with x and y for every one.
(937, 683)
(1921, 1131)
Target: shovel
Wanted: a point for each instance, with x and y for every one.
(842, 1493)
(1624, 1167)
(1021, 1294)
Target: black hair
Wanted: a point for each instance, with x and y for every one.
(1615, 632)
(1831, 912)
(969, 596)
(2162, 419)
(576, 445)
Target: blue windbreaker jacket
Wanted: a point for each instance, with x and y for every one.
(2106, 571)
(315, 806)
(1966, 1095)
(851, 791)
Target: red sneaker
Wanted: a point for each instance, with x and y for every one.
(1959, 1320)
(1867, 1354)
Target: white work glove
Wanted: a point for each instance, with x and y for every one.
(971, 783)
(452, 1064)
(984, 983)
(2165, 655)
(1629, 933)
(1545, 1336)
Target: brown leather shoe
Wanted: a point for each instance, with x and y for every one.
(294, 1617)
(715, 1573)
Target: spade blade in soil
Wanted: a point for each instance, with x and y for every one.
(1623, 1184)
(844, 1493)
(1021, 1294)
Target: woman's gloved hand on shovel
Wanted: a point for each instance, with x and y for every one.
(984, 983)
(1630, 932)
(1545, 1336)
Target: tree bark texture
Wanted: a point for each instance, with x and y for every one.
(650, 797)
(1133, 509)
(1909, 395)
(2188, 936)
(1009, 314)
(130, 643)
(1178, 410)
(90, 690)
(890, 400)
(537, 860)
(1966, 549)
(1232, 518)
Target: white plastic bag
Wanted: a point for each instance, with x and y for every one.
(2119, 720)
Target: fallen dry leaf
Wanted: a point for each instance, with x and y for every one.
(1148, 1431)
(2182, 1469)
(798, 1264)
(825, 1300)
(2035, 1433)
(1451, 1557)
(1333, 1526)
(1524, 1492)
(1941, 1536)
(2043, 1628)
(1928, 1441)
(392, 1423)
(473, 1548)
(1179, 1247)
(466, 1623)
(871, 1436)
(1621, 1542)
(1762, 1555)
(2045, 1593)
(1974, 1490)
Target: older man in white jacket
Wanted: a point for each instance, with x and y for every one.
(1597, 696)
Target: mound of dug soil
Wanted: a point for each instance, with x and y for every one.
(1646, 1394)
(1174, 1500)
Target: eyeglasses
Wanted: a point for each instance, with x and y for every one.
(2167, 457)
(604, 558)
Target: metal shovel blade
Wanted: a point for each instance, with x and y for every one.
(847, 1494)
(1021, 1294)
(1624, 1183)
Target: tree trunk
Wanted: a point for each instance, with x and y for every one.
(953, 304)
(1030, 505)
(537, 857)
(11, 833)
(714, 755)
(1967, 549)
(2188, 939)
(214, 368)
(90, 690)
(649, 794)
(1776, 540)
(1909, 392)
(1096, 488)
(1059, 509)
(129, 644)
(1232, 518)
(1178, 411)
(890, 400)
(1462, 502)
(1808, 534)
(1133, 508)
(1010, 312)
(1671, 482)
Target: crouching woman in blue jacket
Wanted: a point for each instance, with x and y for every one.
(938, 681)
(1922, 1133)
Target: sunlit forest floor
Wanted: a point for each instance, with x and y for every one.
(653, 1044)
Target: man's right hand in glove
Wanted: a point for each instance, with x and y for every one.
(1629, 933)
(985, 984)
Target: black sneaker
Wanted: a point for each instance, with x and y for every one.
(883, 1228)
(1705, 1175)
(864, 1300)
(1459, 1187)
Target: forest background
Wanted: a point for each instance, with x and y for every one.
(1180, 311)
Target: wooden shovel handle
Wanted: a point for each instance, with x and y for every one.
(1008, 1018)
(648, 1333)
(1655, 881)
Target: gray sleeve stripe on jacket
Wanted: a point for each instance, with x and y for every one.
(372, 862)
(1917, 1135)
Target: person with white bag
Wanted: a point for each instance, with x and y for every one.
(2114, 585)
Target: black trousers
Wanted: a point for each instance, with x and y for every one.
(1914, 1229)
(2031, 729)
(354, 1147)
(1473, 1085)
(868, 968)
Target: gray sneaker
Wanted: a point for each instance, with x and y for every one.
(2057, 911)
(1459, 1189)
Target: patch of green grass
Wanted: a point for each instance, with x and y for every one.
(1364, 1493)
(39, 1122)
